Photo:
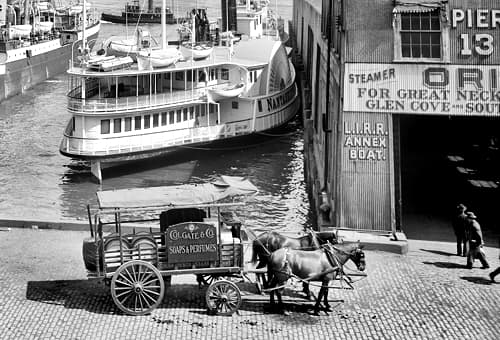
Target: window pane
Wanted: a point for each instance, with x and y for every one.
(426, 38)
(415, 51)
(105, 126)
(435, 38)
(415, 22)
(436, 51)
(185, 114)
(426, 51)
(405, 21)
(147, 119)
(117, 125)
(179, 116)
(156, 118)
(415, 39)
(435, 23)
(137, 122)
(405, 49)
(405, 38)
(425, 22)
(163, 118)
(171, 117)
(128, 124)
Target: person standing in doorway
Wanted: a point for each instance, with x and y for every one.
(459, 224)
(476, 242)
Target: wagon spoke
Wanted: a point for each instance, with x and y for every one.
(124, 283)
(125, 293)
(126, 279)
(151, 291)
(146, 295)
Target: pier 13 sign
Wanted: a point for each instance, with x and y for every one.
(423, 89)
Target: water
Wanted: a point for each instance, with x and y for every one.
(36, 182)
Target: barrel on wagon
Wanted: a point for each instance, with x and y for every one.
(141, 237)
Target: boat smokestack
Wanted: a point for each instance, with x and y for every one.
(229, 15)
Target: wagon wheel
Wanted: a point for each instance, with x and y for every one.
(206, 279)
(137, 287)
(223, 297)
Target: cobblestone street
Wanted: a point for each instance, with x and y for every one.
(427, 294)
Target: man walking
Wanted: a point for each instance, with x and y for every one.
(475, 238)
(459, 224)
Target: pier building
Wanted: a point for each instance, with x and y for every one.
(401, 107)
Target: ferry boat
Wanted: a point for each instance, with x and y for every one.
(134, 14)
(37, 40)
(135, 113)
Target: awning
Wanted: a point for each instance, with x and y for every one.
(178, 195)
(418, 6)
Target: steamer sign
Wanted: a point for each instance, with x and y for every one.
(423, 89)
(191, 242)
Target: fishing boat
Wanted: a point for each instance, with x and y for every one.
(134, 14)
(131, 114)
(37, 40)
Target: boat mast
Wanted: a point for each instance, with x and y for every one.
(84, 35)
(163, 25)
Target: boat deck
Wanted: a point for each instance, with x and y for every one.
(247, 53)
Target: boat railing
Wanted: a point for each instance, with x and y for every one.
(129, 103)
(152, 141)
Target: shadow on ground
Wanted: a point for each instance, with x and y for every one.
(478, 280)
(95, 297)
(438, 252)
(449, 265)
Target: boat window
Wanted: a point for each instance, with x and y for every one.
(213, 74)
(171, 117)
(203, 110)
(117, 125)
(137, 122)
(73, 124)
(255, 76)
(163, 118)
(185, 114)
(189, 76)
(166, 76)
(147, 119)
(128, 123)
(251, 77)
(156, 118)
(224, 74)
(259, 103)
(179, 116)
(235, 105)
(105, 126)
(202, 77)
(213, 108)
(179, 76)
(191, 114)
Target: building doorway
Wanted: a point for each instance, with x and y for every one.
(441, 162)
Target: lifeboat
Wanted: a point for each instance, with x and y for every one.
(226, 92)
(196, 50)
(19, 31)
(158, 58)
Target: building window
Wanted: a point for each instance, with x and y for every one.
(117, 125)
(137, 122)
(128, 124)
(419, 33)
(105, 125)
(147, 121)
(156, 119)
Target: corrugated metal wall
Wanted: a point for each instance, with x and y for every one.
(367, 189)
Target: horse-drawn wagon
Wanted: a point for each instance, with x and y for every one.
(185, 229)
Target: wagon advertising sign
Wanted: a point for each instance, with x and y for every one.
(423, 89)
(191, 242)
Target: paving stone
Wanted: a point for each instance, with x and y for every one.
(426, 294)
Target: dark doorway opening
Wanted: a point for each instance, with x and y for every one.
(444, 161)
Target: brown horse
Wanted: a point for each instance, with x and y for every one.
(317, 265)
(266, 243)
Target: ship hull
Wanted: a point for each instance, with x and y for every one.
(20, 75)
(133, 19)
(244, 140)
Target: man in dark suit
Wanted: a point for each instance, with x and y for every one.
(459, 224)
(476, 242)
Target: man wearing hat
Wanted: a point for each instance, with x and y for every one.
(459, 224)
(475, 238)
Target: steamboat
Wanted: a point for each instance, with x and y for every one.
(134, 14)
(239, 84)
(37, 39)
